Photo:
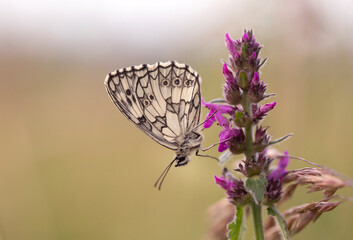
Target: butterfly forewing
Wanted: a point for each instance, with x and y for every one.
(162, 99)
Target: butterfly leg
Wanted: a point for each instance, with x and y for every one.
(205, 120)
(218, 100)
(213, 145)
(200, 155)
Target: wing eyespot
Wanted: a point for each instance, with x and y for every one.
(151, 97)
(165, 83)
(177, 82)
(146, 102)
(188, 83)
(128, 92)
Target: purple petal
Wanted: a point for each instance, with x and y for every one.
(223, 135)
(228, 75)
(222, 147)
(267, 107)
(280, 171)
(253, 56)
(230, 45)
(221, 120)
(283, 162)
(256, 79)
(245, 37)
(224, 183)
(227, 109)
(210, 120)
(221, 108)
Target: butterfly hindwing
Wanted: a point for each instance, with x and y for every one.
(162, 99)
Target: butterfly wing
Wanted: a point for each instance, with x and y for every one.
(162, 99)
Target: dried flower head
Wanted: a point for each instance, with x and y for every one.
(219, 215)
(299, 217)
(317, 179)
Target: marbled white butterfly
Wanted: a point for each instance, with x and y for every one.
(164, 101)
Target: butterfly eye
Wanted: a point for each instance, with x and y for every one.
(176, 82)
(188, 83)
(146, 102)
(165, 82)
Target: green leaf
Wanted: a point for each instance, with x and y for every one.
(236, 228)
(271, 211)
(281, 222)
(244, 51)
(243, 82)
(256, 185)
(239, 118)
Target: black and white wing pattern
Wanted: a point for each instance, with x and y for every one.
(162, 99)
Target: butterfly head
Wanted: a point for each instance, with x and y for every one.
(181, 160)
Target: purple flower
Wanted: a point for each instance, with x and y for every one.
(226, 184)
(231, 90)
(260, 165)
(216, 114)
(273, 191)
(274, 180)
(280, 171)
(256, 79)
(253, 56)
(260, 112)
(228, 75)
(232, 138)
(262, 139)
(231, 46)
(257, 89)
(235, 188)
(245, 37)
(227, 133)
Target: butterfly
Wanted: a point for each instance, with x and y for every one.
(164, 101)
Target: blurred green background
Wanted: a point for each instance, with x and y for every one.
(72, 167)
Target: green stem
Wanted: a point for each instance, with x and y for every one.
(248, 130)
(248, 143)
(281, 222)
(256, 209)
(257, 216)
(237, 227)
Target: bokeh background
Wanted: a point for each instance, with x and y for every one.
(72, 167)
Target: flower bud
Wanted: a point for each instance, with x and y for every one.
(262, 140)
(257, 89)
(259, 113)
(231, 46)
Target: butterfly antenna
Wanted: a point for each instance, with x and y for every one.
(163, 175)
